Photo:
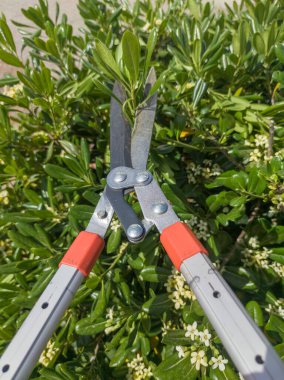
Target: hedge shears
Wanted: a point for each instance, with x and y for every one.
(248, 348)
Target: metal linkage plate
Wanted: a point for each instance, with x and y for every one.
(123, 177)
(101, 218)
(155, 206)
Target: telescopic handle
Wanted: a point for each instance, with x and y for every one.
(248, 348)
(24, 350)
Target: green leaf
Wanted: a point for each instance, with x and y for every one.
(255, 312)
(107, 58)
(9, 58)
(42, 236)
(277, 255)
(155, 274)
(131, 54)
(175, 368)
(256, 184)
(82, 212)
(227, 374)
(151, 43)
(157, 304)
(7, 100)
(279, 50)
(156, 85)
(120, 354)
(8, 81)
(69, 147)
(176, 338)
(232, 179)
(32, 196)
(87, 326)
(6, 33)
(85, 154)
(221, 199)
(259, 43)
(100, 304)
(194, 9)
(58, 172)
(275, 324)
(198, 92)
(280, 350)
(22, 241)
(113, 241)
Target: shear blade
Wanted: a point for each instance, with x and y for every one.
(120, 130)
(143, 127)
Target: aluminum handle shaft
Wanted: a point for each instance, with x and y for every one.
(24, 350)
(248, 348)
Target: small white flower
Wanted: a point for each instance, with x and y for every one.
(109, 314)
(137, 369)
(115, 225)
(253, 242)
(180, 351)
(205, 337)
(192, 331)
(178, 290)
(199, 359)
(219, 362)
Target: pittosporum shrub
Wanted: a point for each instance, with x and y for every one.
(217, 152)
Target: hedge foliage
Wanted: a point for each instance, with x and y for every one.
(217, 152)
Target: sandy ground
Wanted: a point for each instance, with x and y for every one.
(12, 11)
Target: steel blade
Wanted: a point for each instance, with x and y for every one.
(144, 121)
(120, 130)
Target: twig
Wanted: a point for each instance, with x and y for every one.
(271, 138)
(240, 238)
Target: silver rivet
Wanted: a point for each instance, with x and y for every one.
(142, 177)
(102, 214)
(119, 177)
(135, 231)
(159, 208)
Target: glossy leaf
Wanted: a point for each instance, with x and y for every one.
(131, 54)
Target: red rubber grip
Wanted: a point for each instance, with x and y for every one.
(83, 252)
(180, 243)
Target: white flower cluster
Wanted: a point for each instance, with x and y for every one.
(194, 334)
(276, 187)
(277, 308)
(201, 341)
(48, 354)
(4, 197)
(113, 322)
(199, 227)
(168, 325)
(178, 290)
(115, 225)
(199, 358)
(259, 148)
(204, 171)
(40, 136)
(278, 201)
(278, 268)
(258, 257)
(13, 91)
(218, 362)
(137, 369)
(123, 246)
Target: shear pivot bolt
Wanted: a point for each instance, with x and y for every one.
(102, 214)
(135, 231)
(142, 177)
(159, 208)
(119, 177)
